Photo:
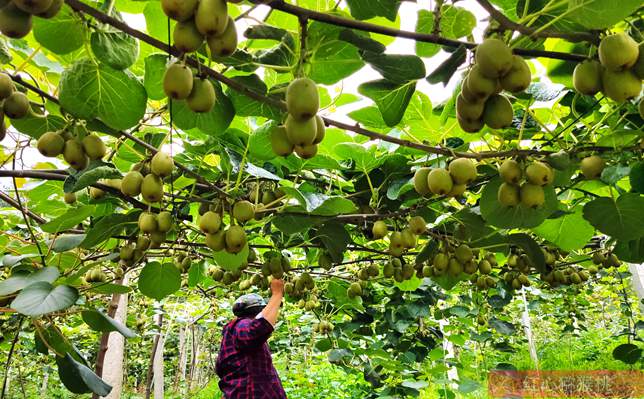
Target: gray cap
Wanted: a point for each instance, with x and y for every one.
(248, 305)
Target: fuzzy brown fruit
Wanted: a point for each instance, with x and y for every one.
(94, 147)
(14, 22)
(179, 10)
(74, 154)
(225, 44)
(16, 106)
(518, 78)
(462, 171)
(510, 171)
(186, 37)
(618, 52)
(498, 113)
(211, 17)
(161, 164)
(494, 58)
(51, 144)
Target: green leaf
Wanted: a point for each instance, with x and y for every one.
(456, 22)
(108, 226)
(35, 126)
(196, 274)
(627, 353)
(65, 242)
(96, 171)
(212, 123)
(622, 219)
(361, 41)
(367, 9)
(501, 326)
(337, 292)
(230, 262)
(365, 159)
(61, 34)
(569, 232)
(630, 251)
(409, 285)
(600, 14)
(396, 68)
(335, 239)
(444, 72)
(41, 297)
(155, 65)
(78, 378)
(115, 48)
(323, 345)
(636, 177)
(292, 223)
(109, 288)
(392, 99)
(246, 106)
(333, 61)
(531, 248)
(514, 217)
(69, 219)
(9, 261)
(158, 280)
(97, 320)
(19, 281)
(89, 90)
(259, 146)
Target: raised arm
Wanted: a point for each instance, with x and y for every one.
(271, 311)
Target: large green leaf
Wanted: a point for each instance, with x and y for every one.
(622, 219)
(35, 126)
(94, 172)
(365, 159)
(159, 280)
(90, 90)
(155, 65)
(600, 14)
(628, 353)
(41, 298)
(333, 59)
(335, 239)
(69, 219)
(246, 106)
(396, 68)
(630, 251)
(337, 291)
(108, 226)
(79, 378)
(65, 242)
(569, 232)
(61, 34)
(97, 320)
(116, 49)
(367, 9)
(518, 216)
(230, 261)
(456, 22)
(392, 99)
(20, 281)
(294, 223)
(636, 177)
(213, 123)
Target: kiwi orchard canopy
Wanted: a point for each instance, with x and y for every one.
(201, 161)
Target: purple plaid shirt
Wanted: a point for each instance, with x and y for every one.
(244, 364)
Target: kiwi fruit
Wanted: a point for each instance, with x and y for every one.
(463, 253)
(225, 44)
(532, 195)
(439, 181)
(148, 222)
(470, 126)
(498, 113)
(494, 58)
(518, 78)
(211, 17)
(417, 225)
(131, 183)
(306, 151)
(70, 198)
(320, 130)
(16, 106)
(51, 144)
(508, 195)
(587, 77)
(179, 10)
(408, 238)
(592, 166)
(618, 52)
(620, 86)
(33, 6)
(420, 181)
(164, 221)
(74, 154)
(14, 23)
(235, 239)
(202, 97)
(478, 85)
(126, 252)
(152, 188)
(94, 147)
(186, 37)
(161, 164)
(457, 190)
(462, 171)
(210, 222)
(96, 193)
(638, 67)
(485, 267)
(216, 241)
(379, 230)
(268, 197)
(279, 141)
(510, 171)
(53, 9)
(177, 81)
(396, 245)
(454, 267)
(302, 99)
(469, 110)
(7, 87)
(301, 132)
(243, 211)
(539, 173)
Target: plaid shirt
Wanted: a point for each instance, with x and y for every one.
(244, 364)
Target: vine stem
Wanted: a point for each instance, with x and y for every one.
(304, 24)
(9, 356)
(24, 215)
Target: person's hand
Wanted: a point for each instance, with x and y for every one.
(277, 287)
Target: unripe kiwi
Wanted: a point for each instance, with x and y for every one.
(210, 222)
(302, 99)
(32, 6)
(479, 85)
(225, 44)
(202, 97)
(592, 166)
(142, 243)
(301, 133)
(7, 86)
(587, 77)
(518, 78)
(462, 171)
(16, 106)
(417, 225)
(243, 211)
(51, 144)
(638, 67)
(211, 17)
(532, 195)
(179, 10)
(96, 193)
(148, 222)
(618, 52)
(14, 23)
(216, 241)
(94, 147)
(280, 142)
(161, 164)
(470, 126)
(131, 183)
(177, 81)
(396, 245)
(53, 9)
(408, 238)
(510, 171)
(508, 195)
(152, 188)
(126, 252)
(498, 113)
(306, 151)
(74, 154)
(620, 86)
(469, 110)
(235, 239)
(164, 221)
(457, 190)
(320, 130)
(157, 238)
(494, 58)
(186, 37)
(379, 229)
(439, 181)
(420, 181)
(70, 198)
(539, 173)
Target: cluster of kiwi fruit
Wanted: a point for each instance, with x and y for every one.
(300, 285)
(617, 74)
(265, 194)
(199, 20)
(76, 144)
(565, 276)
(146, 178)
(368, 272)
(232, 239)
(16, 16)
(480, 101)
(530, 193)
(605, 259)
(400, 240)
(398, 270)
(95, 275)
(179, 83)
(323, 327)
(225, 277)
(303, 129)
(154, 229)
(275, 264)
(13, 104)
(450, 182)
(453, 261)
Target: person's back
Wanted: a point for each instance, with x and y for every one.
(244, 364)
